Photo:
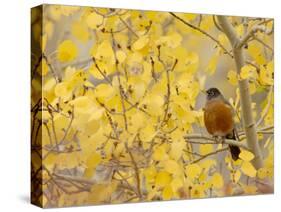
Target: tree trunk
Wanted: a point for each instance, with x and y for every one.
(246, 100)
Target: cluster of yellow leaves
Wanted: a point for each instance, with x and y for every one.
(134, 103)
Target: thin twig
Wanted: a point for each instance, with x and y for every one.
(168, 93)
(129, 27)
(250, 34)
(203, 32)
(209, 154)
(206, 138)
(100, 71)
(136, 171)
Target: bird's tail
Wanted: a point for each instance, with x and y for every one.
(234, 150)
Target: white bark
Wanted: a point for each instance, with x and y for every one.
(246, 100)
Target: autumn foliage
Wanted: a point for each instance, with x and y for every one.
(117, 106)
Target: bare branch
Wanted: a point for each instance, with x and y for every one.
(203, 32)
(209, 154)
(136, 171)
(129, 27)
(211, 140)
(250, 34)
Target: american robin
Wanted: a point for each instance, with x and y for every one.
(218, 118)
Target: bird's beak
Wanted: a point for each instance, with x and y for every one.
(204, 92)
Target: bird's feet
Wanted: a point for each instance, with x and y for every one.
(219, 139)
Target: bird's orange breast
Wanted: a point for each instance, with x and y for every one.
(218, 118)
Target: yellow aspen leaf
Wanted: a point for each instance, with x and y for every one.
(255, 51)
(49, 85)
(202, 177)
(172, 167)
(121, 56)
(240, 29)
(188, 16)
(191, 62)
(60, 121)
(134, 58)
(217, 181)
(93, 160)
(153, 104)
(176, 184)
(44, 42)
(232, 77)
(69, 72)
(81, 104)
(140, 43)
(80, 31)
(206, 149)
(246, 155)
(151, 194)
(147, 133)
(249, 189)
(69, 10)
(48, 28)
(207, 23)
(212, 66)
(270, 66)
(172, 40)
(193, 171)
(94, 20)
(138, 121)
(104, 90)
(207, 164)
(150, 173)
(197, 191)
(236, 176)
(105, 52)
(96, 114)
(162, 179)
(45, 68)
(67, 51)
(223, 39)
(247, 72)
(167, 193)
(177, 149)
(219, 146)
(176, 40)
(159, 153)
(102, 192)
(266, 74)
(262, 173)
(237, 162)
(93, 70)
(62, 89)
(248, 169)
(88, 84)
(190, 116)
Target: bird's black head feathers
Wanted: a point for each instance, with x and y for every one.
(213, 93)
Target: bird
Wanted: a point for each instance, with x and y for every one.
(219, 119)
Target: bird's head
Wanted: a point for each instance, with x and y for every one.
(213, 93)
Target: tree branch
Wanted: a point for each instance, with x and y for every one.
(203, 32)
(250, 34)
(246, 100)
(209, 154)
(211, 140)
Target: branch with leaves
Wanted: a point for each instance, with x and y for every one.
(246, 99)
